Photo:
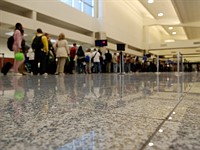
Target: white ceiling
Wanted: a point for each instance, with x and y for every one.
(183, 16)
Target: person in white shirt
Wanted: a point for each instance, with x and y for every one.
(114, 61)
(97, 66)
(31, 56)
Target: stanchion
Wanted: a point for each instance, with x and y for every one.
(121, 64)
(157, 65)
(178, 64)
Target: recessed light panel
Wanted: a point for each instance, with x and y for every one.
(174, 33)
(150, 1)
(160, 14)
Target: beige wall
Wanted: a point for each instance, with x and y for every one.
(115, 18)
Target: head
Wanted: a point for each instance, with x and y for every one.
(61, 36)
(88, 50)
(47, 35)
(18, 26)
(39, 30)
(74, 44)
(80, 48)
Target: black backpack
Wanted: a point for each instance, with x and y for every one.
(37, 43)
(10, 43)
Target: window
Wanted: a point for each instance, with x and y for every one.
(78, 4)
(86, 6)
(87, 9)
(68, 2)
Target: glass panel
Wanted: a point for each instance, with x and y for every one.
(86, 6)
(78, 4)
(88, 9)
(68, 2)
(89, 2)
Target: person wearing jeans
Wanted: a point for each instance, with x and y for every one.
(97, 65)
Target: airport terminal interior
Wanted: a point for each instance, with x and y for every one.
(151, 102)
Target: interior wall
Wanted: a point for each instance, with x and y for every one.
(115, 18)
(61, 11)
(118, 23)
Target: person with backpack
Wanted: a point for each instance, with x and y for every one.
(17, 47)
(108, 60)
(80, 59)
(40, 48)
(88, 56)
(96, 61)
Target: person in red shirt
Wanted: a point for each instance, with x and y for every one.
(72, 56)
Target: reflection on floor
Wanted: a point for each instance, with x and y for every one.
(100, 112)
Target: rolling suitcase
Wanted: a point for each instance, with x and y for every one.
(6, 67)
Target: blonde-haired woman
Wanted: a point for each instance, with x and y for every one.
(62, 52)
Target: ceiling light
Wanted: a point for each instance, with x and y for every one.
(170, 28)
(150, 1)
(169, 40)
(160, 14)
(9, 33)
(173, 33)
(160, 130)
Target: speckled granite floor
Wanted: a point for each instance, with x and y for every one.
(142, 111)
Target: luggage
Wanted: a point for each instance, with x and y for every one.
(6, 67)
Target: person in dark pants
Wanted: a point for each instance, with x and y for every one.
(40, 47)
(80, 60)
(72, 56)
(108, 59)
(51, 58)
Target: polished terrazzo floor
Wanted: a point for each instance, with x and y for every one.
(138, 111)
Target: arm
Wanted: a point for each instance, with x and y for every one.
(45, 43)
(18, 38)
(67, 48)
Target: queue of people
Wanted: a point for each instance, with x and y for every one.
(47, 58)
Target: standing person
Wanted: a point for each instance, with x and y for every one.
(40, 47)
(114, 62)
(51, 61)
(80, 59)
(31, 56)
(108, 59)
(18, 36)
(102, 62)
(72, 56)
(88, 56)
(62, 52)
(97, 66)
